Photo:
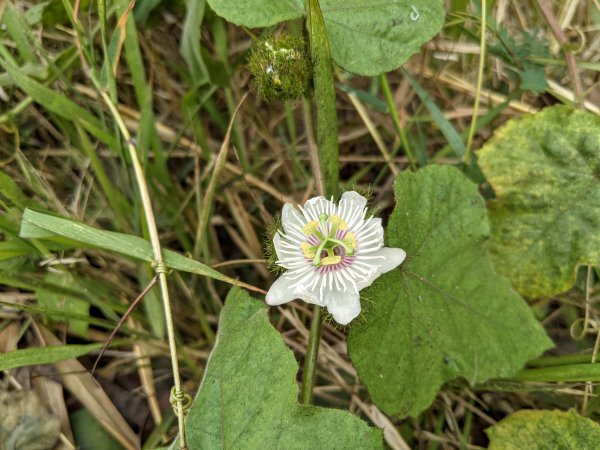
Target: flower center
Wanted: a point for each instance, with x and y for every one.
(329, 242)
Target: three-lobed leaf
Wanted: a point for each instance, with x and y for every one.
(366, 37)
(248, 397)
(444, 312)
(544, 430)
(545, 171)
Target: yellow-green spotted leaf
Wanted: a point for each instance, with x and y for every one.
(545, 171)
(544, 430)
(366, 37)
(444, 313)
(248, 397)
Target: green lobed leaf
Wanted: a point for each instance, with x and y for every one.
(258, 13)
(544, 170)
(39, 225)
(444, 312)
(544, 430)
(366, 37)
(370, 38)
(44, 355)
(248, 397)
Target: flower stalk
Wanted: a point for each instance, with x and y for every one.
(312, 351)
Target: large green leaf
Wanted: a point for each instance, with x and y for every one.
(444, 312)
(369, 38)
(545, 171)
(366, 37)
(248, 396)
(544, 430)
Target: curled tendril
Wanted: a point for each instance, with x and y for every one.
(179, 396)
(588, 326)
(160, 267)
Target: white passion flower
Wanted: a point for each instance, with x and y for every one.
(330, 252)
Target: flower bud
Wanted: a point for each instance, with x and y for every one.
(280, 67)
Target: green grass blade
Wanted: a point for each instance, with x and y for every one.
(38, 225)
(44, 355)
(58, 104)
(190, 41)
(17, 29)
(443, 124)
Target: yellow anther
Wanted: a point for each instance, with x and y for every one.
(338, 222)
(311, 228)
(308, 250)
(330, 260)
(350, 239)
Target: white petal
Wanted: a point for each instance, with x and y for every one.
(354, 199)
(343, 306)
(364, 273)
(370, 236)
(388, 258)
(290, 218)
(288, 253)
(317, 206)
(280, 292)
(352, 208)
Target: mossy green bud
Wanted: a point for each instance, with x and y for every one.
(280, 67)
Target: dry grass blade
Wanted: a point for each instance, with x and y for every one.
(121, 24)
(209, 194)
(364, 115)
(390, 433)
(76, 379)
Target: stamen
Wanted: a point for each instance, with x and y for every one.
(308, 250)
(350, 239)
(337, 222)
(311, 228)
(331, 260)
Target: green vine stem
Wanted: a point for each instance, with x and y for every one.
(326, 162)
(178, 396)
(324, 103)
(312, 351)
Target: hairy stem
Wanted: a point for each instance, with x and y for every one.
(326, 164)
